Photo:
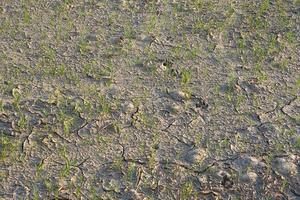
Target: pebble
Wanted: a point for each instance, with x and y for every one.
(179, 95)
(285, 167)
(111, 185)
(196, 155)
(249, 177)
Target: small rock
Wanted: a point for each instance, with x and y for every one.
(196, 155)
(248, 87)
(128, 107)
(112, 185)
(224, 88)
(173, 109)
(91, 37)
(112, 128)
(137, 195)
(203, 179)
(249, 177)
(116, 40)
(179, 95)
(85, 132)
(255, 161)
(285, 167)
(147, 39)
(222, 173)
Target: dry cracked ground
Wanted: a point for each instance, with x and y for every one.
(149, 99)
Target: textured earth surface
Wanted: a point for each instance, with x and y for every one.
(149, 99)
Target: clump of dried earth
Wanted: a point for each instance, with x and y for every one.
(162, 99)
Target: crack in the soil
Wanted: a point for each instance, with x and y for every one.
(82, 126)
(168, 126)
(177, 138)
(188, 167)
(137, 161)
(27, 139)
(132, 116)
(61, 137)
(280, 108)
(287, 104)
(180, 140)
(23, 143)
(295, 192)
(266, 140)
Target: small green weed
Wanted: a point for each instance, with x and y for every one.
(8, 149)
(17, 98)
(185, 76)
(1, 106)
(23, 122)
(187, 191)
(297, 143)
(26, 16)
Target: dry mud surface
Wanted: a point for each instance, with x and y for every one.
(148, 99)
